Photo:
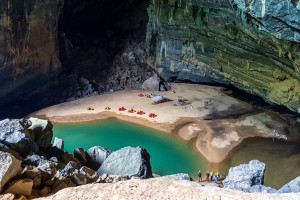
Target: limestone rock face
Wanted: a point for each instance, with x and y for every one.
(293, 186)
(253, 45)
(127, 161)
(28, 46)
(9, 167)
(244, 176)
(96, 156)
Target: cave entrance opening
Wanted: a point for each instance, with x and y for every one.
(92, 33)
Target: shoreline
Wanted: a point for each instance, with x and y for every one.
(214, 139)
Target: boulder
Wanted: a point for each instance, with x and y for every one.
(127, 161)
(48, 169)
(29, 172)
(9, 168)
(82, 176)
(96, 156)
(69, 169)
(58, 143)
(87, 176)
(33, 159)
(180, 176)
(262, 189)
(41, 131)
(21, 187)
(66, 158)
(291, 187)
(244, 176)
(16, 137)
(5, 148)
(151, 84)
(80, 155)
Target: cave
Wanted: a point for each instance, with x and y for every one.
(92, 33)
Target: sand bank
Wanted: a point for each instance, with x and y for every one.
(216, 121)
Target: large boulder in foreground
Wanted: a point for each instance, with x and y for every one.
(244, 176)
(127, 161)
(292, 187)
(95, 157)
(9, 167)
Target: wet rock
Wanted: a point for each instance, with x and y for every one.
(127, 161)
(9, 168)
(21, 187)
(59, 143)
(96, 156)
(293, 186)
(80, 155)
(16, 137)
(244, 176)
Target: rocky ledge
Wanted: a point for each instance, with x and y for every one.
(32, 167)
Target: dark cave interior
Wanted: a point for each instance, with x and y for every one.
(92, 32)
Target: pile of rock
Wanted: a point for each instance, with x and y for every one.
(129, 69)
(31, 166)
(250, 178)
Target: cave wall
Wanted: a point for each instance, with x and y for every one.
(253, 45)
(28, 46)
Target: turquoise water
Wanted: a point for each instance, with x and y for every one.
(168, 153)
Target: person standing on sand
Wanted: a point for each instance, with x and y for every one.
(211, 174)
(207, 176)
(217, 176)
(199, 176)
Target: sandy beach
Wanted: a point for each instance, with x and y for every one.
(215, 121)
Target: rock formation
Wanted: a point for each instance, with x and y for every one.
(128, 161)
(244, 176)
(28, 46)
(292, 186)
(9, 167)
(30, 166)
(253, 45)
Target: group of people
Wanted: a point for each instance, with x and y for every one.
(210, 176)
